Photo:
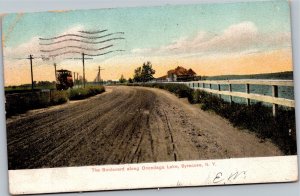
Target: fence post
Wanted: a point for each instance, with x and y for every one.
(230, 97)
(219, 89)
(275, 94)
(247, 91)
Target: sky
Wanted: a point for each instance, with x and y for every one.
(212, 39)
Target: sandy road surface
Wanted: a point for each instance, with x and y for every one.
(126, 125)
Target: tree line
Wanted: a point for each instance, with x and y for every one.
(141, 74)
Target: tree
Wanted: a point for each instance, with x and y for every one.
(137, 74)
(147, 72)
(144, 73)
(130, 80)
(122, 79)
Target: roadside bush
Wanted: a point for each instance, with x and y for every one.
(82, 93)
(94, 90)
(79, 93)
(257, 118)
(58, 97)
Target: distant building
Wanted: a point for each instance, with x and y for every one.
(180, 74)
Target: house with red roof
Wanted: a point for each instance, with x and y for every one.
(180, 74)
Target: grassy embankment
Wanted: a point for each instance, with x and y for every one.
(27, 100)
(281, 130)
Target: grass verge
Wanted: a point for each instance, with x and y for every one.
(82, 93)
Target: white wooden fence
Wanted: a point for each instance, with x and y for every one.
(274, 99)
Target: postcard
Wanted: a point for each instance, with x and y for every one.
(149, 97)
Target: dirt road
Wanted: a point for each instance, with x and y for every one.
(126, 125)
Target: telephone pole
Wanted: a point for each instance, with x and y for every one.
(55, 72)
(99, 74)
(74, 77)
(78, 83)
(83, 70)
(30, 58)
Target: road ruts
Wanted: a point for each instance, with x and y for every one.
(126, 125)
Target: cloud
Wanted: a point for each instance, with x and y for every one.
(23, 50)
(33, 46)
(237, 38)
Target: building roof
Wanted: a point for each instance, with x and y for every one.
(191, 72)
(181, 71)
(162, 77)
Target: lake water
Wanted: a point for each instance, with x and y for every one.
(286, 92)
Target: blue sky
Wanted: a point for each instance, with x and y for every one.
(154, 26)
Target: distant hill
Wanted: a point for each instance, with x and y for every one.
(288, 75)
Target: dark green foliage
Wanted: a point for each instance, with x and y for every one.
(130, 80)
(122, 79)
(257, 118)
(144, 73)
(82, 93)
(58, 97)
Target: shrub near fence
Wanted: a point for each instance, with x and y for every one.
(256, 118)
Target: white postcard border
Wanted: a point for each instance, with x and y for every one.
(155, 175)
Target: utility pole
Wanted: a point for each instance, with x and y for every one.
(55, 72)
(99, 74)
(30, 58)
(77, 80)
(74, 77)
(83, 70)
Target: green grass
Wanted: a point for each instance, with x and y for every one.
(27, 88)
(59, 97)
(82, 93)
(258, 118)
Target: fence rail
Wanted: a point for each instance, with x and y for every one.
(274, 99)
